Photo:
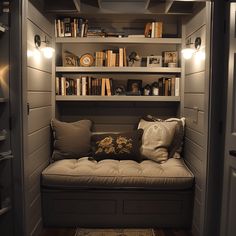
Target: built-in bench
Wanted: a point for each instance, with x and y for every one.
(113, 193)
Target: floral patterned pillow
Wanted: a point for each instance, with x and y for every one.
(118, 146)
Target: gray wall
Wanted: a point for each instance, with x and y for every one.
(38, 89)
(195, 109)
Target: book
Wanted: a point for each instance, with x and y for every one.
(166, 87)
(83, 85)
(173, 86)
(158, 30)
(153, 30)
(177, 88)
(63, 86)
(57, 86)
(121, 57)
(103, 86)
(125, 57)
(108, 87)
(78, 87)
(67, 27)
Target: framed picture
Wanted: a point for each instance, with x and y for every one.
(70, 59)
(154, 61)
(170, 57)
(134, 87)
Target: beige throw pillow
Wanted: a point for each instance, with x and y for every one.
(157, 137)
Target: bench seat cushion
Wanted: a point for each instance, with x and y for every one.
(105, 174)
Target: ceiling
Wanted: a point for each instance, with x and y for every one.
(83, 7)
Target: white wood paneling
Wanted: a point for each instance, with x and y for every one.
(197, 137)
(195, 83)
(35, 16)
(36, 60)
(38, 139)
(195, 22)
(39, 118)
(38, 80)
(194, 119)
(194, 100)
(39, 99)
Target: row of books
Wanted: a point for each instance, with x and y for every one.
(168, 86)
(153, 30)
(83, 86)
(111, 58)
(87, 85)
(71, 27)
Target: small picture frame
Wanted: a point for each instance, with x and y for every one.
(154, 61)
(70, 59)
(134, 87)
(170, 57)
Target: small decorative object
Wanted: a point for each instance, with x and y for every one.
(154, 61)
(147, 90)
(120, 90)
(134, 87)
(69, 59)
(86, 60)
(170, 57)
(155, 89)
(134, 57)
(172, 64)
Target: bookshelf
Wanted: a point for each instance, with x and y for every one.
(119, 98)
(131, 41)
(119, 69)
(125, 40)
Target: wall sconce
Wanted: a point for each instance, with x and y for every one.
(189, 51)
(47, 51)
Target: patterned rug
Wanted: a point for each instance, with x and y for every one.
(114, 232)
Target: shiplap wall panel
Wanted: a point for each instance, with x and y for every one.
(194, 119)
(196, 136)
(39, 87)
(196, 110)
(35, 175)
(39, 118)
(39, 99)
(195, 83)
(35, 16)
(38, 157)
(195, 22)
(38, 80)
(35, 211)
(194, 100)
(38, 138)
(36, 60)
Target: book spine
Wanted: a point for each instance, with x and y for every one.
(84, 85)
(63, 86)
(158, 29)
(57, 86)
(121, 57)
(56, 28)
(108, 86)
(173, 86)
(103, 86)
(125, 57)
(59, 27)
(78, 86)
(153, 30)
(169, 87)
(177, 80)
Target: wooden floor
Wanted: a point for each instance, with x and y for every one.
(71, 232)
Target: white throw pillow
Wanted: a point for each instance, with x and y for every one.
(157, 137)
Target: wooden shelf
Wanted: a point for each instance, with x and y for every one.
(3, 99)
(119, 69)
(119, 98)
(6, 206)
(126, 40)
(3, 135)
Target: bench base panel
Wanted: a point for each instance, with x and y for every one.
(117, 208)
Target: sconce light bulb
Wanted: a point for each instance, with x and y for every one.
(48, 52)
(187, 53)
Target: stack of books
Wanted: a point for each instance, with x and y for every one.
(153, 30)
(114, 58)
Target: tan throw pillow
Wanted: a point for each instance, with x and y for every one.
(71, 140)
(157, 137)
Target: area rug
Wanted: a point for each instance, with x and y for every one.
(114, 232)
